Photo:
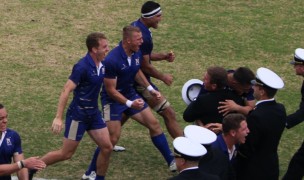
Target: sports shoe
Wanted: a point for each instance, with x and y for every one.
(172, 166)
(92, 176)
(118, 148)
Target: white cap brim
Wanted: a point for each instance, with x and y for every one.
(191, 90)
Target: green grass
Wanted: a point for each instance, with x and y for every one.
(41, 40)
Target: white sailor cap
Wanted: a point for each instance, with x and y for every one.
(200, 134)
(268, 78)
(191, 90)
(188, 149)
(298, 56)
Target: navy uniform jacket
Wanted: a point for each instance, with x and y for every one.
(216, 163)
(295, 169)
(205, 107)
(298, 116)
(258, 157)
(194, 174)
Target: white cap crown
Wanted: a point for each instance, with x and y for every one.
(200, 134)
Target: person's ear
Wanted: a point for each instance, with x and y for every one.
(232, 133)
(183, 161)
(94, 50)
(213, 86)
(262, 91)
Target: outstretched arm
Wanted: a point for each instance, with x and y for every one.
(149, 69)
(163, 56)
(63, 99)
(228, 106)
(30, 163)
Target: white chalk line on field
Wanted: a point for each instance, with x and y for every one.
(16, 178)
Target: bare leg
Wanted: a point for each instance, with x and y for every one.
(114, 130)
(66, 152)
(168, 115)
(102, 139)
(172, 126)
(147, 119)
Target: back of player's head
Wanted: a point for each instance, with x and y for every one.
(149, 6)
(93, 40)
(149, 9)
(218, 76)
(1, 106)
(243, 75)
(232, 122)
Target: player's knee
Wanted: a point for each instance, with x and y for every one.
(107, 148)
(114, 139)
(154, 126)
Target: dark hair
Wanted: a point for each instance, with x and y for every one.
(269, 91)
(243, 75)
(1, 106)
(93, 40)
(127, 31)
(232, 122)
(218, 76)
(149, 6)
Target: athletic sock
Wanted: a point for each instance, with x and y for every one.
(99, 177)
(160, 142)
(92, 166)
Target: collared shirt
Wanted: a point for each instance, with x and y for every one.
(190, 168)
(2, 137)
(117, 67)
(231, 152)
(221, 145)
(11, 145)
(88, 79)
(266, 100)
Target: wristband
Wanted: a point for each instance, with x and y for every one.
(129, 103)
(150, 88)
(19, 164)
(22, 164)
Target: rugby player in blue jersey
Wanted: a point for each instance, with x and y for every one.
(11, 151)
(122, 70)
(151, 15)
(83, 114)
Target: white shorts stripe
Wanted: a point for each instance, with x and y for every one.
(73, 130)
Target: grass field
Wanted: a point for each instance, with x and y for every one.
(41, 40)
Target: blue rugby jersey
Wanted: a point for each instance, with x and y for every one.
(117, 66)
(147, 45)
(88, 79)
(11, 144)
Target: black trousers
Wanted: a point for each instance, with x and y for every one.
(295, 169)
